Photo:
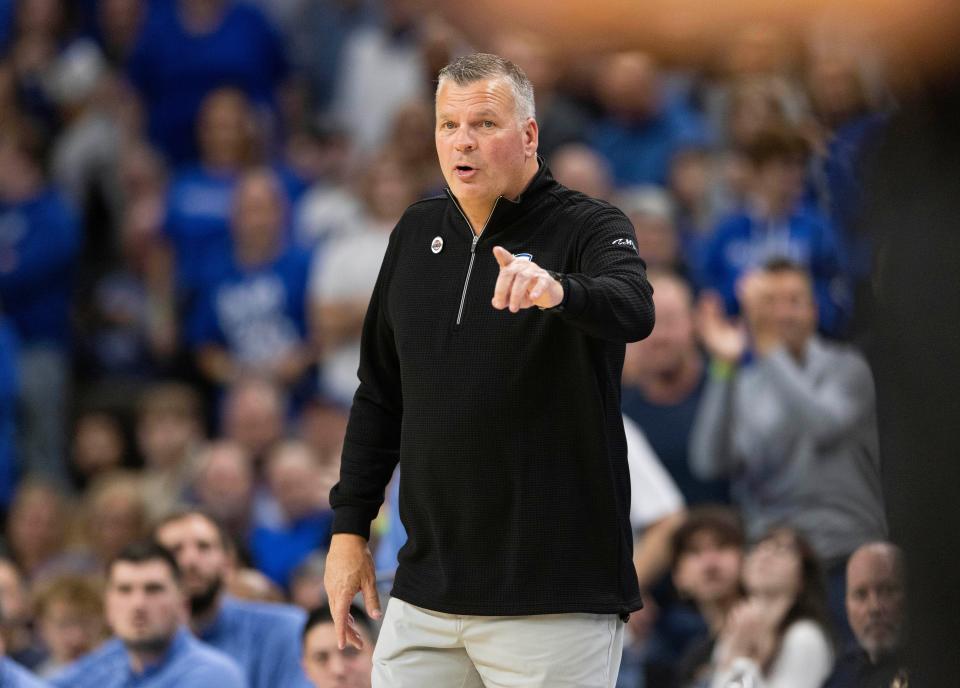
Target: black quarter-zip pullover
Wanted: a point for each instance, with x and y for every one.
(514, 487)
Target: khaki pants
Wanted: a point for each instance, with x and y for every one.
(419, 648)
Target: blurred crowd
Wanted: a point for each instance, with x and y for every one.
(195, 197)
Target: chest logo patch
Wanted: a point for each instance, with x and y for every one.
(437, 244)
(523, 256)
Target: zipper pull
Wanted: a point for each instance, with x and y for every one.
(473, 246)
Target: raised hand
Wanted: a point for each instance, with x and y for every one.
(523, 284)
(725, 340)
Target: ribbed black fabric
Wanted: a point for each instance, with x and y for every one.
(514, 485)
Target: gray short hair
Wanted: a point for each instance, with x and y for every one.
(478, 66)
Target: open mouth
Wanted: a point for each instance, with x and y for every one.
(465, 171)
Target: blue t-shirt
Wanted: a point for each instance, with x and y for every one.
(39, 242)
(188, 663)
(641, 152)
(173, 69)
(256, 313)
(667, 429)
(278, 551)
(263, 638)
(741, 243)
(12, 675)
(9, 386)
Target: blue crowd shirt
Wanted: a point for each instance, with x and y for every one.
(263, 638)
(12, 675)
(188, 663)
(741, 243)
(255, 313)
(39, 242)
(641, 152)
(9, 387)
(174, 69)
(667, 428)
(278, 551)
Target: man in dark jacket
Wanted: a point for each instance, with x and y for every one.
(491, 359)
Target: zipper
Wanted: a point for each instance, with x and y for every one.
(473, 249)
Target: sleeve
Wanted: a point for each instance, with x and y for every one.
(831, 410)
(371, 448)
(608, 296)
(805, 660)
(653, 494)
(711, 448)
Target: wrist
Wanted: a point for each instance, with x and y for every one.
(722, 369)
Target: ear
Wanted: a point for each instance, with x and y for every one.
(531, 137)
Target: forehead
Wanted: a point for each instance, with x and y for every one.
(152, 571)
(494, 95)
(790, 281)
(192, 527)
(870, 568)
(323, 636)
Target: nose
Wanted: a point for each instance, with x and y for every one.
(464, 140)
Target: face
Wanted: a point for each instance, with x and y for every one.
(708, 570)
(293, 479)
(13, 598)
(875, 600)
(672, 340)
(254, 418)
(791, 308)
(69, 630)
(225, 129)
(773, 567)
(36, 526)
(196, 544)
(485, 150)
(116, 520)
(144, 604)
(328, 667)
(258, 215)
(225, 485)
(164, 438)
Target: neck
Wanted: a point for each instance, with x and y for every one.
(252, 256)
(141, 659)
(772, 207)
(202, 621)
(715, 613)
(478, 212)
(672, 385)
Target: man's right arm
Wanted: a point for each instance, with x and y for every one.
(371, 450)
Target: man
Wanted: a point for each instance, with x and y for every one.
(145, 607)
(326, 664)
(796, 426)
(263, 638)
(875, 608)
(707, 555)
(514, 489)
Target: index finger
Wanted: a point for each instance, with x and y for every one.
(503, 256)
(340, 610)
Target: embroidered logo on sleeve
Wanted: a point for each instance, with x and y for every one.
(625, 242)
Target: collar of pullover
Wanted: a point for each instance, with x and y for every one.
(506, 211)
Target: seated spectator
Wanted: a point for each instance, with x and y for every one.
(663, 381)
(707, 556)
(650, 210)
(98, 445)
(38, 252)
(36, 527)
(186, 49)
(69, 618)
(293, 480)
(779, 635)
(875, 608)
(261, 637)
(254, 416)
(579, 167)
(224, 487)
(795, 426)
(16, 635)
(115, 515)
(775, 224)
(699, 200)
(324, 663)
(145, 604)
(639, 131)
(251, 318)
(169, 430)
(118, 24)
(307, 590)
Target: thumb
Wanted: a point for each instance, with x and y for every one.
(371, 599)
(503, 256)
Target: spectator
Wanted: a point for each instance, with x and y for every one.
(69, 617)
(37, 526)
(188, 48)
(260, 637)
(16, 676)
(169, 431)
(97, 447)
(650, 209)
(252, 317)
(254, 416)
(145, 605)
(223, 486)
(663, 381)
(579, 167)
(306, 582)
(115, 514)
(16, 636)
(343, 275)
(295, 483)
(776, 225)
(778, 636)
(328, 666)
(118, 24)
(794, 427)
(39, 239)
(639, 131)
(707, 556)
(875, 607)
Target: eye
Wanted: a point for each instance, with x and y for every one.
(447, 125)
(487, 124)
